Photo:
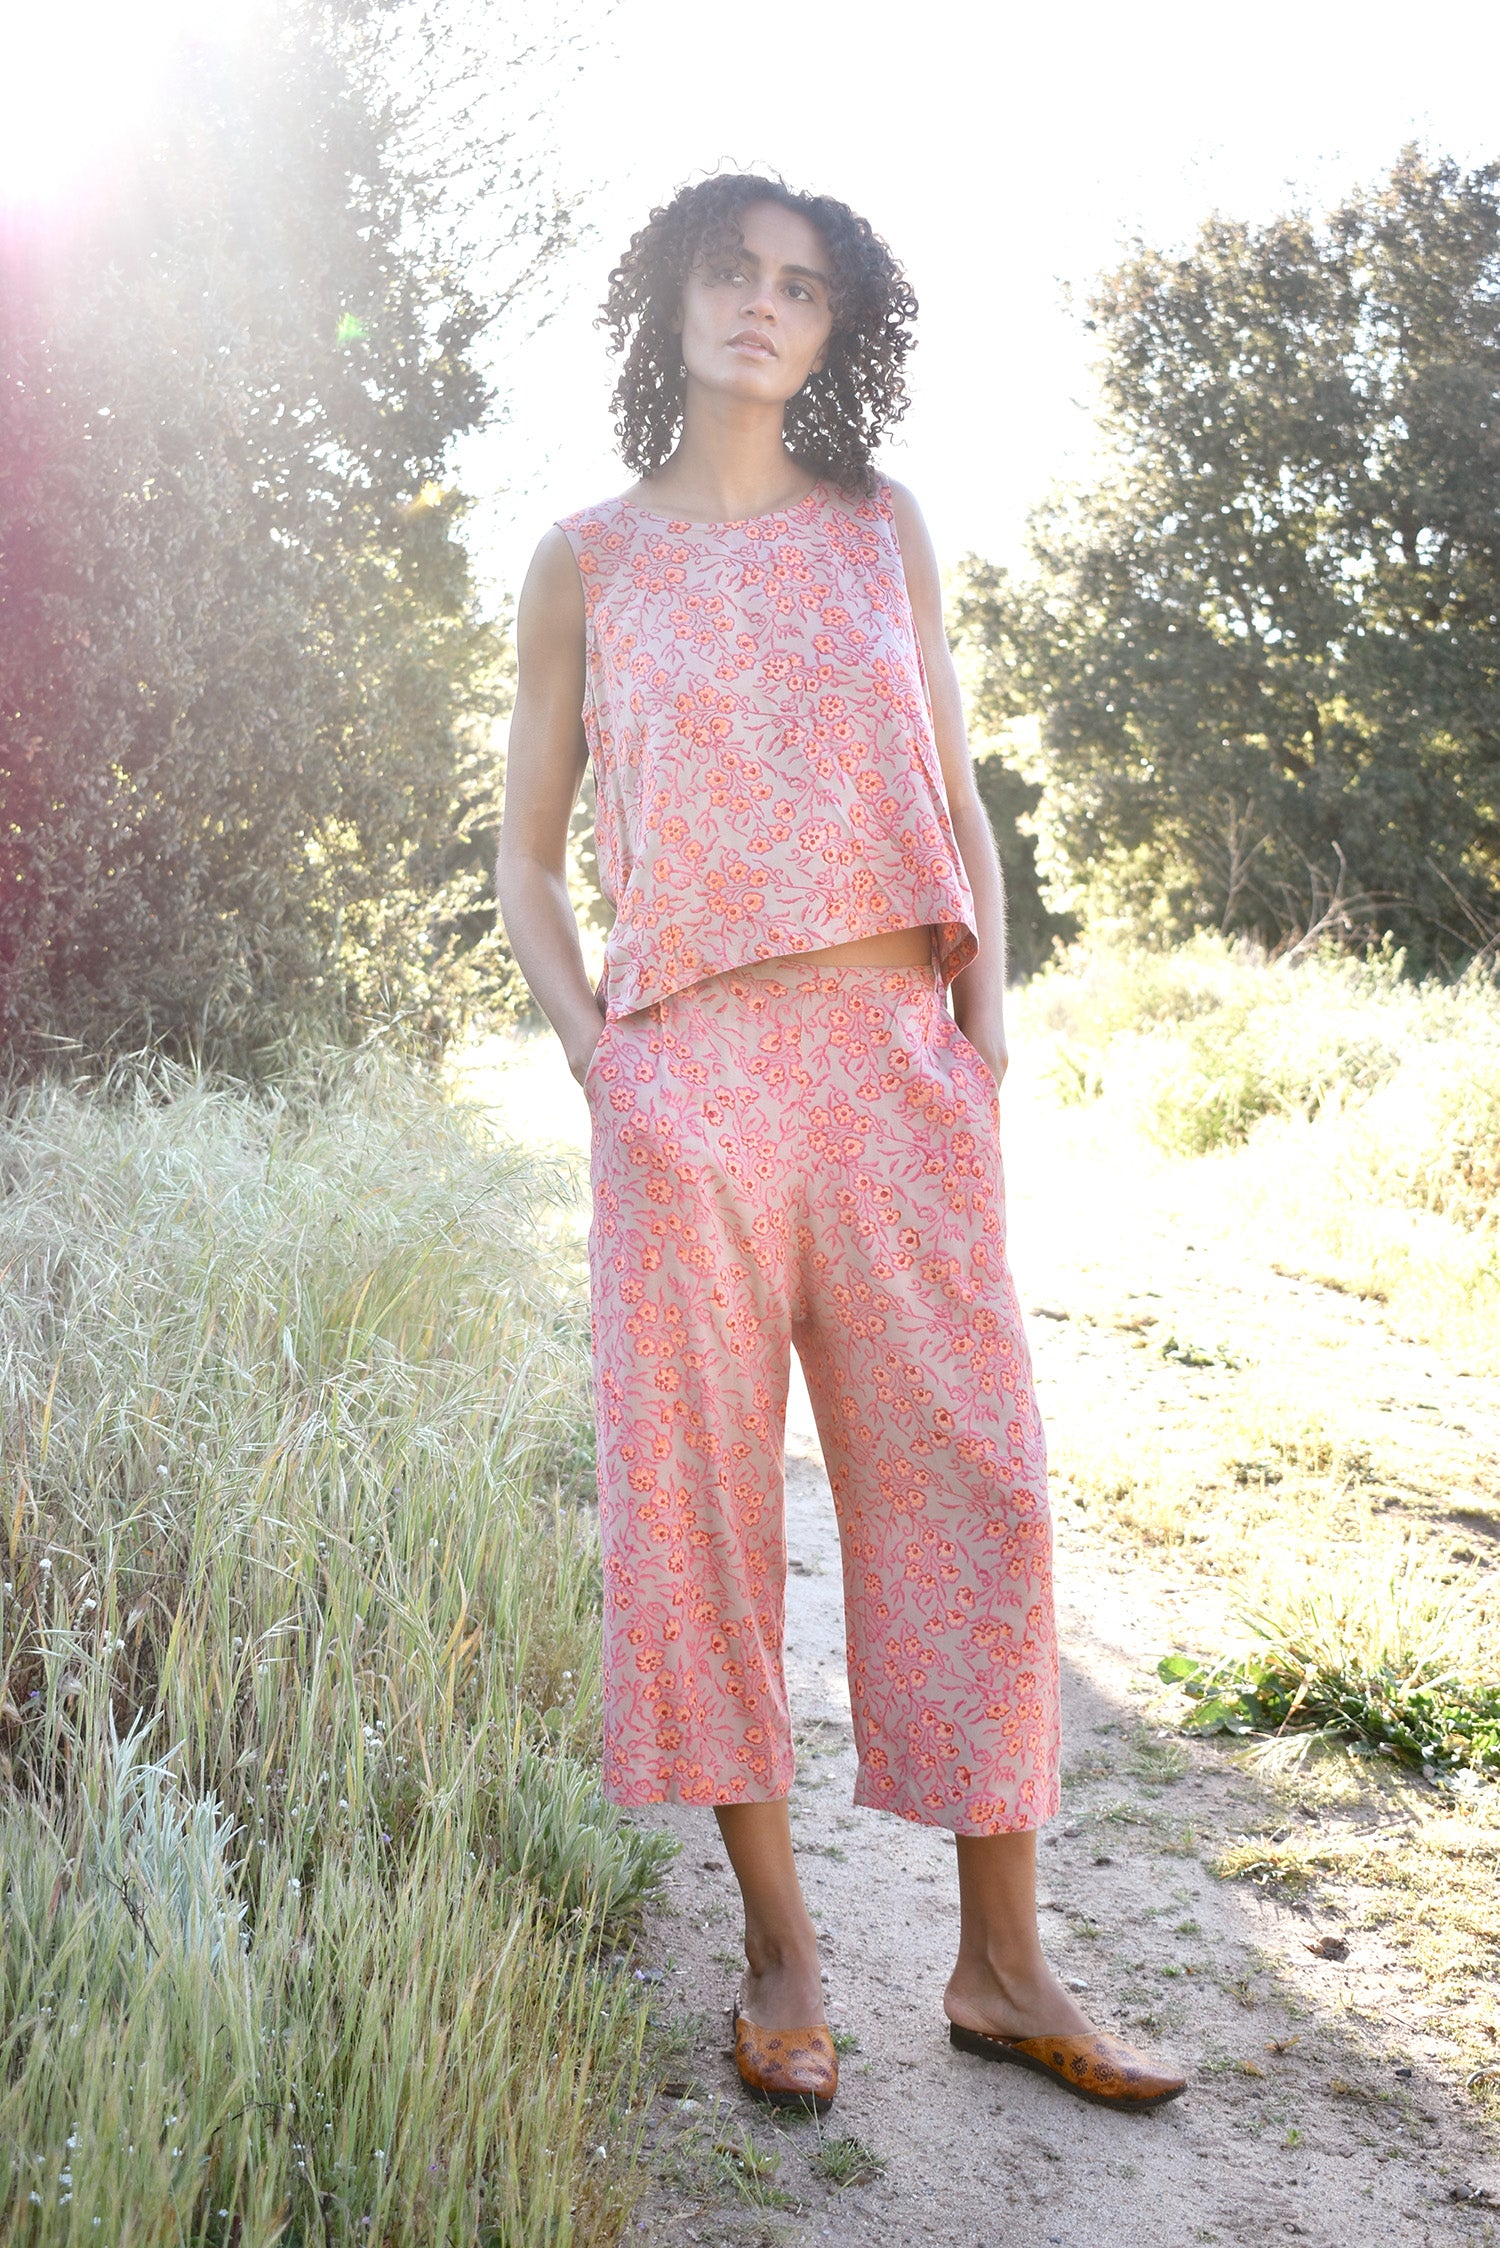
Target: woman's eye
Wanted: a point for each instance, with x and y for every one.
(799, 289)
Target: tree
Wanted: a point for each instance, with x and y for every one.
(246, 690)
(1266, 643)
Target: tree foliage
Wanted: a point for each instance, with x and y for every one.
(1265, 643)
(246, 689)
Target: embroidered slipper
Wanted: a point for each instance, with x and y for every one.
(786, 2067)
(1096, 2067)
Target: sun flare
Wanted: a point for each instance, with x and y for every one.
(81, 79)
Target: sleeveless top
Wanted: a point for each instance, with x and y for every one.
(766, 776)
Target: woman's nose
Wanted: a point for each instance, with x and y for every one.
(759, 305)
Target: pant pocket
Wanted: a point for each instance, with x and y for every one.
(597, 1055)
(974, 1058)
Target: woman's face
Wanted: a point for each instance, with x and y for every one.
(757, 325)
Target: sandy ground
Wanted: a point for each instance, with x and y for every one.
(1322, 2106)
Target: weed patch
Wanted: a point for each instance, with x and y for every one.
(847, 2162)
(1395, 1658)
(714, 2160)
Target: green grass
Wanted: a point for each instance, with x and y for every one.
(313, 1922)
(847, 2161)
(1334, 1122)
(712, 2159)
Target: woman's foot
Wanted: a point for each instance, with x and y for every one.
(1030, 2004)
(782, 1987)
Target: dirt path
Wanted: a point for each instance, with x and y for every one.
(1323, 2106)
(1327, 2103)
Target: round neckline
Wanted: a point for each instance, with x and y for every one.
(730, 522)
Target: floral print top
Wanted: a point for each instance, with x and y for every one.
(767, 781)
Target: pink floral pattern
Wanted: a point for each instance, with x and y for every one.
(795, 1153)
(767, 782)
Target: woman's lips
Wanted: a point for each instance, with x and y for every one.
(760, 346)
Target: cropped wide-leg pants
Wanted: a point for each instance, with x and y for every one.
(793, 1153)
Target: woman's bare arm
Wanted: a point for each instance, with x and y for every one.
(979, 992)
(543, 772)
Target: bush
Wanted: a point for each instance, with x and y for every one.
(1260, 635)
(247, 748)
(547, 1821)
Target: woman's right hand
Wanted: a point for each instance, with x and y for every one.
(578, 1063)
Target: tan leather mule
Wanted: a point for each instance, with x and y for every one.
(786, 2067)
(1097, 2067)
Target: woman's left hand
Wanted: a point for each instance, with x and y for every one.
(988, 1041)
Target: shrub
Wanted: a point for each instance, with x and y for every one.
(548, 1823)
(247, 761)
(1205, 1043)
(1260, 635)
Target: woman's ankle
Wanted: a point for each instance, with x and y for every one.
(781, 1951)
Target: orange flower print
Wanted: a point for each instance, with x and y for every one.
(789, 730)
(763, 1140)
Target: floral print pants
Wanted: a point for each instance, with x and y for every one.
(793, 1153)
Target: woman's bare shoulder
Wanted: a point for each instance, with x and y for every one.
(551, 604)
(915, 542)
(908, 515)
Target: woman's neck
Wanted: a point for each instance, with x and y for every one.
(730, 462)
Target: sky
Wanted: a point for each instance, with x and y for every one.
(1007, 154)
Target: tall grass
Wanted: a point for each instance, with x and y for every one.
(310, 1908)
(1362, 1109)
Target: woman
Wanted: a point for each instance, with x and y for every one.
(793, 1140)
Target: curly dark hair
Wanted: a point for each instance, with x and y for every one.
(839, 416)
